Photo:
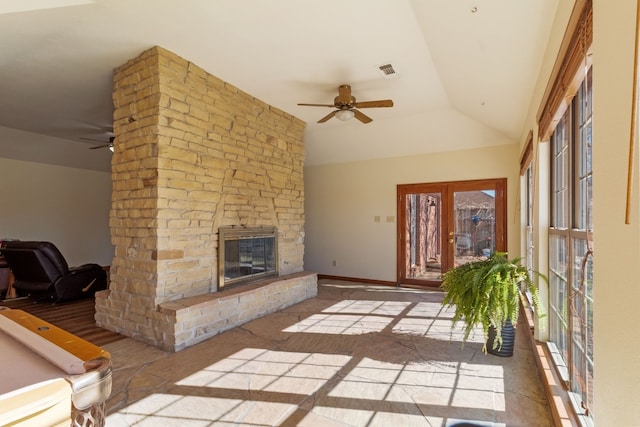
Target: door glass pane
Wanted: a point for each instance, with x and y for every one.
(474, 225)
(424, 248)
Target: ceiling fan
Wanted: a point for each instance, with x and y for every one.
(104, 144)
(345, 106)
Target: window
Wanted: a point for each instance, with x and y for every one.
(528, 217)
(527, 187)
(571, 246)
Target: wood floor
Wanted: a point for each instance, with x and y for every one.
(76, 317)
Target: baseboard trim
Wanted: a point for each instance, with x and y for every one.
(379, 282)
(357, 279)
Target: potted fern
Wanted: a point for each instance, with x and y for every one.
(487, 293)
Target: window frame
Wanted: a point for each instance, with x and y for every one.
(570, 241)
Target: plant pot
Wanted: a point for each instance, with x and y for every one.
(508, 340)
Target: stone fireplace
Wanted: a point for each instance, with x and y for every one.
(195, 155)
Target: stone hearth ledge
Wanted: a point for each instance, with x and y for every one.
(201, 317)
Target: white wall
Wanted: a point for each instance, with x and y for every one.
(616, 244)
(34, 147)
(67, 206)
(342, 200)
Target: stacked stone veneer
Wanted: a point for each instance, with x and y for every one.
(193, 153)
(201, 317)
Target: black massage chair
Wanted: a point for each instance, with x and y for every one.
(41, 272)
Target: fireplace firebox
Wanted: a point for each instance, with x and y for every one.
(246, 254)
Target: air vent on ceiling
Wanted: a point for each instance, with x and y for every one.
(387, 71)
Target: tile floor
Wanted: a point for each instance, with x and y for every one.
(355, 355)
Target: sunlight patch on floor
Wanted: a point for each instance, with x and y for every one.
(352, 363)
(171, 410)
(276, 371)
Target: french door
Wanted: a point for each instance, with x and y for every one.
(442, 225)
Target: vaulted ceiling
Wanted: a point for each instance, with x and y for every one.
(464, 69)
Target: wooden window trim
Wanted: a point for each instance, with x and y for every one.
(568, 72)
(527, 154)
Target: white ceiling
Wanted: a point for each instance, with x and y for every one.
(465, 68)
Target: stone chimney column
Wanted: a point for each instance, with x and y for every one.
(192, 153)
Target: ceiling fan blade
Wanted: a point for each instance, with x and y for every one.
(374, 104)
(362, 117)
(328, 116)
(317, 105)
(110, 140)
(103, 145)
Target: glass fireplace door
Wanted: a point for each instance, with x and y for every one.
(246, 254)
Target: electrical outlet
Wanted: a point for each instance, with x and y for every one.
(334, 263)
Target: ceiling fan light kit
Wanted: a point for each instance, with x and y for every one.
(346, 106)
(345, 115)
